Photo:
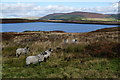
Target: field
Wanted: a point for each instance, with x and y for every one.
(94, 55)
(100, 19)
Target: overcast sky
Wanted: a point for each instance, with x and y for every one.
(38, 8)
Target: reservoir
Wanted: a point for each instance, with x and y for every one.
(47, 26)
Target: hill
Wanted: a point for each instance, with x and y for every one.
(94, 55)
(112, 29)
(17, 20)
(116, 16)
(73, 16)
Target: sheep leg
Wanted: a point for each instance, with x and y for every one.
(26, 64)
(39, 63)
(48, 57)
(25, 54)
(17, 55)
(45, 59)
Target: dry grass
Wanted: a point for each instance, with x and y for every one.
(100, 19)
(96, 59)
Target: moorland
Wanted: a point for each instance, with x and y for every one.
(94, 55)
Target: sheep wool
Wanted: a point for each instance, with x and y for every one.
(20, 51)
(34, 59)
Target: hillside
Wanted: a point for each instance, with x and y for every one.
(17, 20)
(116, 16)
(94, 55)
(112, 29)
(73, 16)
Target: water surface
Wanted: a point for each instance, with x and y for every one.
(47, 26)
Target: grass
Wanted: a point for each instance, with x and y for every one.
(70, 61)
(104, 49)
(59, 68)
(72, 64)
(100, 19)
(74, 48)
(108, 29)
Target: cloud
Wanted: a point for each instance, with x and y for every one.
(34, 10)
(17, 10)
(116, 5)
(59, 0)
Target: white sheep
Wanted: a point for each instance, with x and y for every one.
(20, 51)
(39, 58)
(66, 41)
(34, 59)
(47, 53)
(74, 40)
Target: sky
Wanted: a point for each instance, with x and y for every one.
(39, 8)
(59, 0)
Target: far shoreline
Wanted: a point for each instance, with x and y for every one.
(7, 21)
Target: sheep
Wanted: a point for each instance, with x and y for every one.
(65, 41)
(74, 40)
(47, 53)
(34, 59)
(39, 58)
(20, 51)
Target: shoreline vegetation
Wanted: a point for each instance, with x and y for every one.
(17, 20)
(72, 17)
(94, 55)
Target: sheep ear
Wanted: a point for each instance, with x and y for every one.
(42, 53)
(50, 49)
(27, 47)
